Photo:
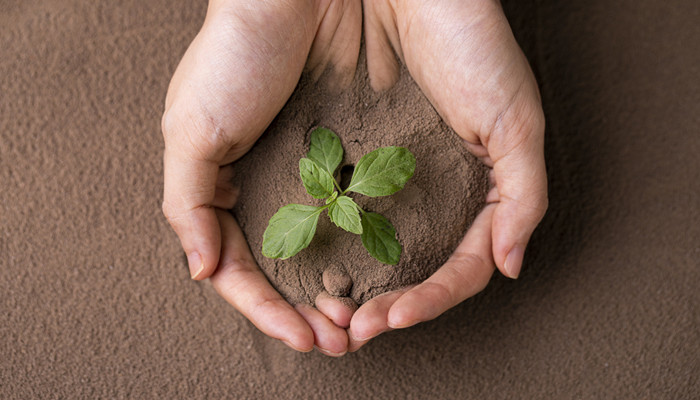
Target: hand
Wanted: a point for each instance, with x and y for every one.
(465, 59)
(232, 81)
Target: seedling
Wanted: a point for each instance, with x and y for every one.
(381, 172)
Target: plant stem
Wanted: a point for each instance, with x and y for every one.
(338, 187)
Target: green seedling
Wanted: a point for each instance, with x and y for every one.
(381, 172)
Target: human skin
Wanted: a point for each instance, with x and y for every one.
(241, 69)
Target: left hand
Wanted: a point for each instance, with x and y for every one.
(232, 81)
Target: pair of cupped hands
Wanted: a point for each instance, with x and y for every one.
(243, 66)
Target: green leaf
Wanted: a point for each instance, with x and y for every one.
(332, 198)
(383, 171)
(317, 181)
(325, 149)
(345, 214)
(290, 230)
(379, 238)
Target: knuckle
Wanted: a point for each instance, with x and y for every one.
(440, 294)
(521, 122)
(166, 123)
(236, 264)
(545, 205)
(169, 212)
(540, 204)
(217, 136)
(240, 269)
(533, 208)
(198, 132)
(471, 281)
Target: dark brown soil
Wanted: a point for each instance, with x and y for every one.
(431, 214)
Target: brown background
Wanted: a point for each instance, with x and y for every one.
(95, 299)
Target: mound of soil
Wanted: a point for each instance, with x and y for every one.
(431, 214)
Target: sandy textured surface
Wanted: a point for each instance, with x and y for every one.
(95, 297)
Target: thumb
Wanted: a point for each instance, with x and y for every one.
(521, 182)
(190, 189)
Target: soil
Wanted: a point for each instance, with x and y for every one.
(431, 214)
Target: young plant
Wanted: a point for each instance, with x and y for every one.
(381, 172)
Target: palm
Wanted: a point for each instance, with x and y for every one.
(234, 78)
(465, 59)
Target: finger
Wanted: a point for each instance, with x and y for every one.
(370, 320)
(240, 281)
(466, 273)
(337, 42)
(480, 152)
(190, 186)
(382, 61)
(522, 193)
(337, 309)
(328, 338)
(226, 193)
(492, 195)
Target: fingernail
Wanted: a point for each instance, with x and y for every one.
(399, 325)
(196, 264)
(514, 261)
(329, 353)
(294, 347)
(356, 339)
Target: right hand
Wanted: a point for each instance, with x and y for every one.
(233, 80)
(464, 57)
